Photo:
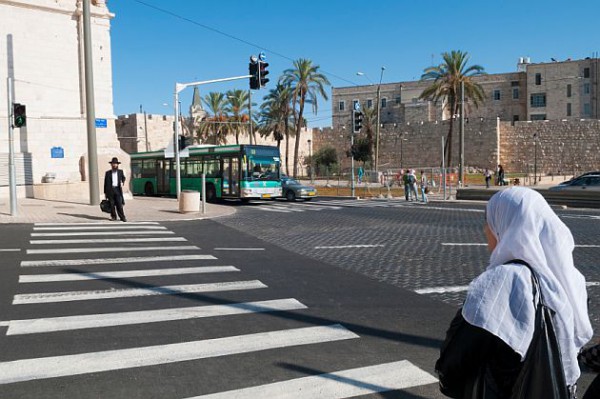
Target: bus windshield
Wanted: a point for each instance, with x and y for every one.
(262, 168)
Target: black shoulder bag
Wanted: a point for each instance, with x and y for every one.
(542, 375)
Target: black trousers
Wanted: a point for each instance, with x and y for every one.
(116, 204)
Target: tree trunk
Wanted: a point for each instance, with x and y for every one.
(448, 145)
(287, 147)
(298, 129)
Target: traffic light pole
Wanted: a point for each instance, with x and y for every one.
(11, 151)
(179, 87)
(352, 164)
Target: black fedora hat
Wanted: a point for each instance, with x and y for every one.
(115, 160)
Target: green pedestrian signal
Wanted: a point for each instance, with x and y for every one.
(19, 115)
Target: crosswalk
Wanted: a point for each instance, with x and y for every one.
(330, 205)
(59, 272)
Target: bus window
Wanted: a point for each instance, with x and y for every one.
(136, 169)
(263, 168)
(212, 168)
(148, 169)
(193, 168)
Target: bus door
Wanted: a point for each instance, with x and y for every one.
(230, 182)
(162, 176)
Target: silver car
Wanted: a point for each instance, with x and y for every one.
(292, 189)
(588, 182)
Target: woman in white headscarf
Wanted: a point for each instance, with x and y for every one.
(495, 326)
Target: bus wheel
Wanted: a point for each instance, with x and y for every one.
(245, 200)
(290, 196)
(211, 194)
(149, 189)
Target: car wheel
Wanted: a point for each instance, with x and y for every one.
(308, 199)
(148, 189)
(290, 195)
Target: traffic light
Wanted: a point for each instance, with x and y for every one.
(262, 73)
(19, 115)
(254, 77)
(357, 119)
(184, 141)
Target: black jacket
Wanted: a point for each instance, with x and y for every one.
(476, 364)
(108, 181)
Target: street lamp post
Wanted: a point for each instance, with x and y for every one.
(311, 159)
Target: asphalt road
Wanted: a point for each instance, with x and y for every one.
(356, 293)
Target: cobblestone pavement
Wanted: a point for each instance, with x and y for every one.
(404, 244)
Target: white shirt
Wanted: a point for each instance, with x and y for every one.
(115, 179)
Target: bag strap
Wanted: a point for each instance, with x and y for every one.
(534, 280)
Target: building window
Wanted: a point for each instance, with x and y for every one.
(355, 105)
(586, 72)
(515, 93)
(538, 100)
(496, 94)
(515, 83)
(568, 90)
(538, 79)
(587, 109)
(383, 102)
(342, 106)
(568, 109)
(586, 88)
(515, 118)
(369, 103)
(538, 117)
(398, 100)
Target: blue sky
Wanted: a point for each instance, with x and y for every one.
(153, 49)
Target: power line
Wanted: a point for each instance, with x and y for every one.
(220, 32)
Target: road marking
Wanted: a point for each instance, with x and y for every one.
(94, 362)
(462, 288)
(108, 240)
(351, 246)
(4, 323)
(90, 224)
(51, 324)
(68, 296)
(103, 233)
(273, 209)
(45, 278)
(109, 249)
(339, 384)
(112, 227)
(592, 217)
(239, 249)
(10, 250)
(472, 244)
(464, 244)
(102, 261)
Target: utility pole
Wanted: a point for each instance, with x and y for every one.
(378, 122)
(352, 164)
(251, 128)
(90, 107)
(12, 176)
(461, 167)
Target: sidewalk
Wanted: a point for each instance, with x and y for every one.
(138, 209)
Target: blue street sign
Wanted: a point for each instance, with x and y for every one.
(100, 122)
(57, 152)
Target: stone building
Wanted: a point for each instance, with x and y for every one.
(144, 132)
(42, 40)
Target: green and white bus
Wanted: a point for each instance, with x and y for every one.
(232, 171)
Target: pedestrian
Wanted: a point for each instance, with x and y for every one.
(501, 181)
(488, 176)
(424, 187)
(406, 182)
(113, 190)
(489, 337)
(412, 179)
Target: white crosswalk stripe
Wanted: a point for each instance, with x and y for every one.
(104, 233)
(337, 385)
(109, 249)
(92, 224)
(100, 227)
(94, 362)
(68, 296)
(103, 261)
(107, 240)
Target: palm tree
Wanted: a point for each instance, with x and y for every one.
(446, 80)
(237, 103)
(213, 128)
(276, 112)
(306, 83)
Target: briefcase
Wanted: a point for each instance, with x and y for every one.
(105, 206)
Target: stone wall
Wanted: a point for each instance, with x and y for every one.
(563, 147)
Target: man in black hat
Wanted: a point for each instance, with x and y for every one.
(113, 181)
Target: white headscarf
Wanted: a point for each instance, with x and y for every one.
(500, 300)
